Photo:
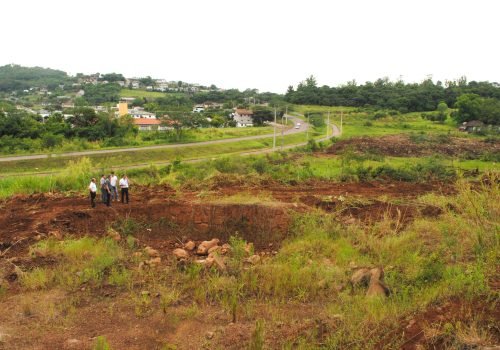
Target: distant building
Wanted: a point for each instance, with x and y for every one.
(122, 109)
(146, 124)
(212, 105)
(472, 126)
(243, 117)
(67, 105)
(139, 112)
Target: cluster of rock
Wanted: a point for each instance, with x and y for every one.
(211, 254)
(372, 279)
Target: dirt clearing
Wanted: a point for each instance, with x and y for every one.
(404, 145)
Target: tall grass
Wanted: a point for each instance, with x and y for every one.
(79, 261)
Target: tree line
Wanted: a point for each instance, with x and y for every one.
(480, 101)
(23, 131)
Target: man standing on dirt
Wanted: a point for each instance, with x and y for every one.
(107, 184)
(114, 192)
(104, 192)
(124, 187)
(93, 192)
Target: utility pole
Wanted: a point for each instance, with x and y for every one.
(274, 138)
(341, 124)
(307, 130)
(282, 133)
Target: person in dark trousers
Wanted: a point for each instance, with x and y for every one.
(93, 192)
(113, 181)
(124, 187)
(104, 192)
(107, 184)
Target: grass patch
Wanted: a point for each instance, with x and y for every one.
(79, 261)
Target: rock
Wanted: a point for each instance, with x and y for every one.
(154, 261)
(361, 277)
(153, 253)
(219, 263)
(377, 289)
(209, 335)
(205, 246)
(145, 292)
(214, 249)
(137, 254)
(56, 234)
(207, 263)
(114, 235)
(226, 248)
(181, 254)
(377, 274)
(189, 246)
(254, 259)
(72, 344)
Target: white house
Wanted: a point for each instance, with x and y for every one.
(138, 112)
(243, 117)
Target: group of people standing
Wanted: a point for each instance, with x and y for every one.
(109, 191)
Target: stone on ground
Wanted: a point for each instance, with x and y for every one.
(189, 246)
(180, 253)
(153, 253)
(206, 245)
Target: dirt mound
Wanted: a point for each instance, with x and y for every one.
(427, 330)
(415, 146)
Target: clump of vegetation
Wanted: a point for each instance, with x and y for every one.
(79, 261)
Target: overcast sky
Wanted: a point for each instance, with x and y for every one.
(266, 45)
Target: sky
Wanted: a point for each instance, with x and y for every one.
(262, 44)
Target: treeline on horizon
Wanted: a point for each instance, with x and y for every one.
(473, 100)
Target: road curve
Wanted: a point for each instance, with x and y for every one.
(303, 127)
(335, 132)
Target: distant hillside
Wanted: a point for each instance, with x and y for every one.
(15, 77)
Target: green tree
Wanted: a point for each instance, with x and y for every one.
(468, 108)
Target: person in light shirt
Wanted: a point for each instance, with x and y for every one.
(114, 192)
(124, 187)
(93, 192)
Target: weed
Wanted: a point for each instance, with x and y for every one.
(101, 344)
(257, 339)
(38, 278)
(119, 276)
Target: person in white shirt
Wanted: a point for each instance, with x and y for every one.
(114, 192)
(93, 192)
(124, 187)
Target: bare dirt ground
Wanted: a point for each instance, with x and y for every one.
(407, 146)
(24, 219)
(169, 217)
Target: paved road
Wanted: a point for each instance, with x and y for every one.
(335, 132)
(303, 127)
